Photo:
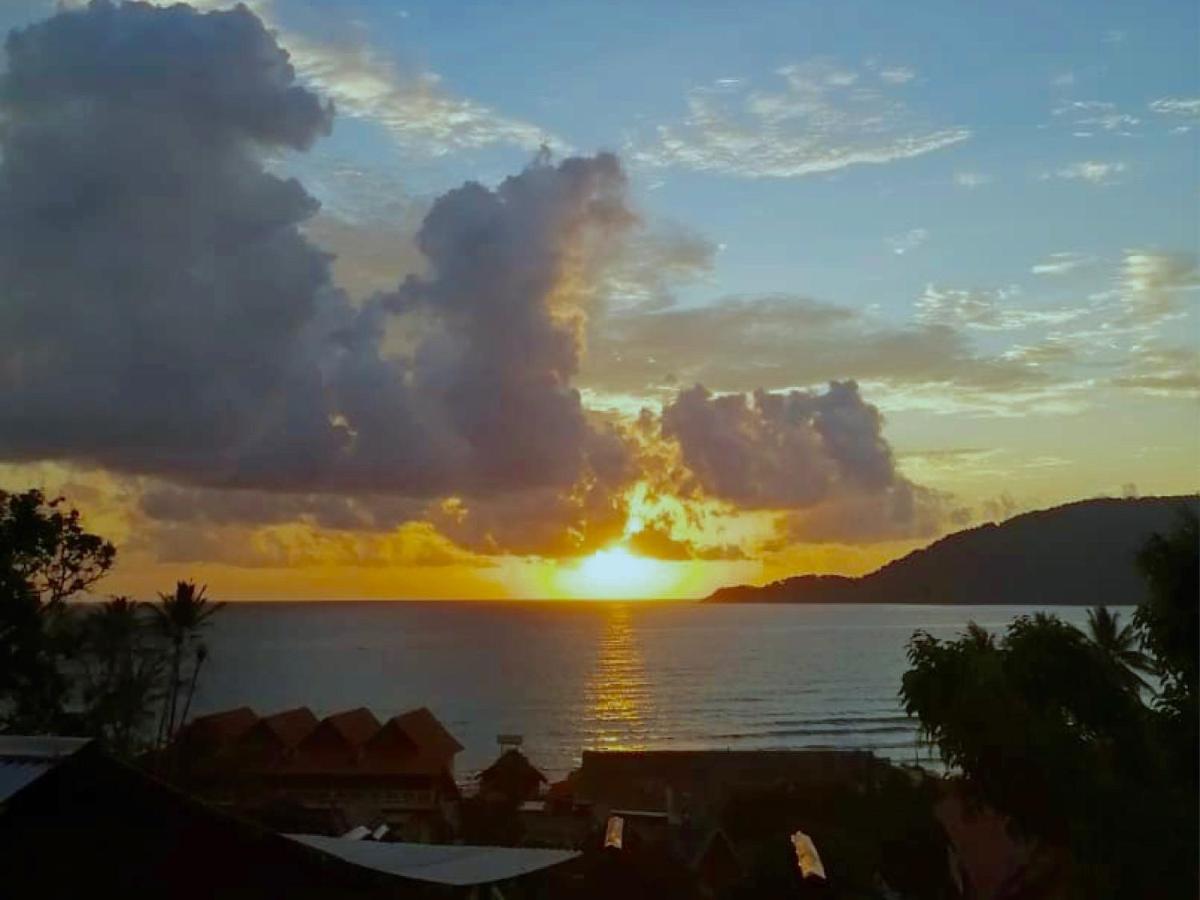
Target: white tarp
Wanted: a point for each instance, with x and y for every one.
(439, 863)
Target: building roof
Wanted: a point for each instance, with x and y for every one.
(229, 724)
(296, 742)
(428, 733)
(356, 726)
(291, 726)
(512, 764)
(222, 727)
(23, 760)
(448, 864)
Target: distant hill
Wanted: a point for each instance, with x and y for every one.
(1078, 554)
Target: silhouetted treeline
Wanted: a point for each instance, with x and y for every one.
(121, 671)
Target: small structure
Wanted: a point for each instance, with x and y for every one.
(511, 777)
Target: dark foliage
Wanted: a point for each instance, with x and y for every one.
(1048, 728)
(86, 669)
(882, 832)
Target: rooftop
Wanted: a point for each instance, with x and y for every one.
(23, 760)
(448, 864)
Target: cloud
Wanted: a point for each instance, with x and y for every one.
(645, 273)
(1053, 350)
(1184, 107)
(167, 315)
(972, 180)
(908, 241)
(1085, 116)
(820, 456)
(415, 108)
(1185, 111)
(903, 510)
(985, 310)
(775, 450)
(821, 121)
(780, 341)
(1160, 370)
(173, 504)
(412, 105)
(292, 546)
(1092, 171)
(897, 75)
(1151, 285)
(1062, 263)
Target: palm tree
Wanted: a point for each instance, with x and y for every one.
(121, 672)
(201, 656)
(1120, 644)
(180, 617)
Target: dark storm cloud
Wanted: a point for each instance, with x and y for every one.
(820, 456)
(157, 294)
(164, 314)
(167, 503)
(777, 451)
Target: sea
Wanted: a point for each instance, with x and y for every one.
(570, 676)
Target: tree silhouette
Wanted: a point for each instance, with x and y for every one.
(181, 616)
(46, 557)
(1121, 644)
(1050, 728)
(122, 673)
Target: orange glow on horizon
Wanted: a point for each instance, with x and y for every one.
(615, 573)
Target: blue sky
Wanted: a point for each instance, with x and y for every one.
(604, 76)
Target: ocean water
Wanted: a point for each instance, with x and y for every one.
(575, 676)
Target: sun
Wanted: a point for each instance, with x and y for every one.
(615, 573)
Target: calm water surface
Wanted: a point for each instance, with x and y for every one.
(574, 676)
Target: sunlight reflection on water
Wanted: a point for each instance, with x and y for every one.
(617, 693)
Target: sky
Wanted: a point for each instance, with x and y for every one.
(477, 300)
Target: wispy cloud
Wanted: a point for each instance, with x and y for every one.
(1185, 111)
(908, 241)
(972, 180)
(418, 111)
(1162, 371)
(1061, 263)
(1090, 170)
(897, 75)
(822, 120)
(414, 106)
(985, 310)
(1151, 285)
(1087, 117)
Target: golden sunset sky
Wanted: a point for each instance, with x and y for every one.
(307, 302)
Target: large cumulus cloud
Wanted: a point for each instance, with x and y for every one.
(821, 456)
(163, 313)
(778, 450)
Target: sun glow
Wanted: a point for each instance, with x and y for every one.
(618, 574)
